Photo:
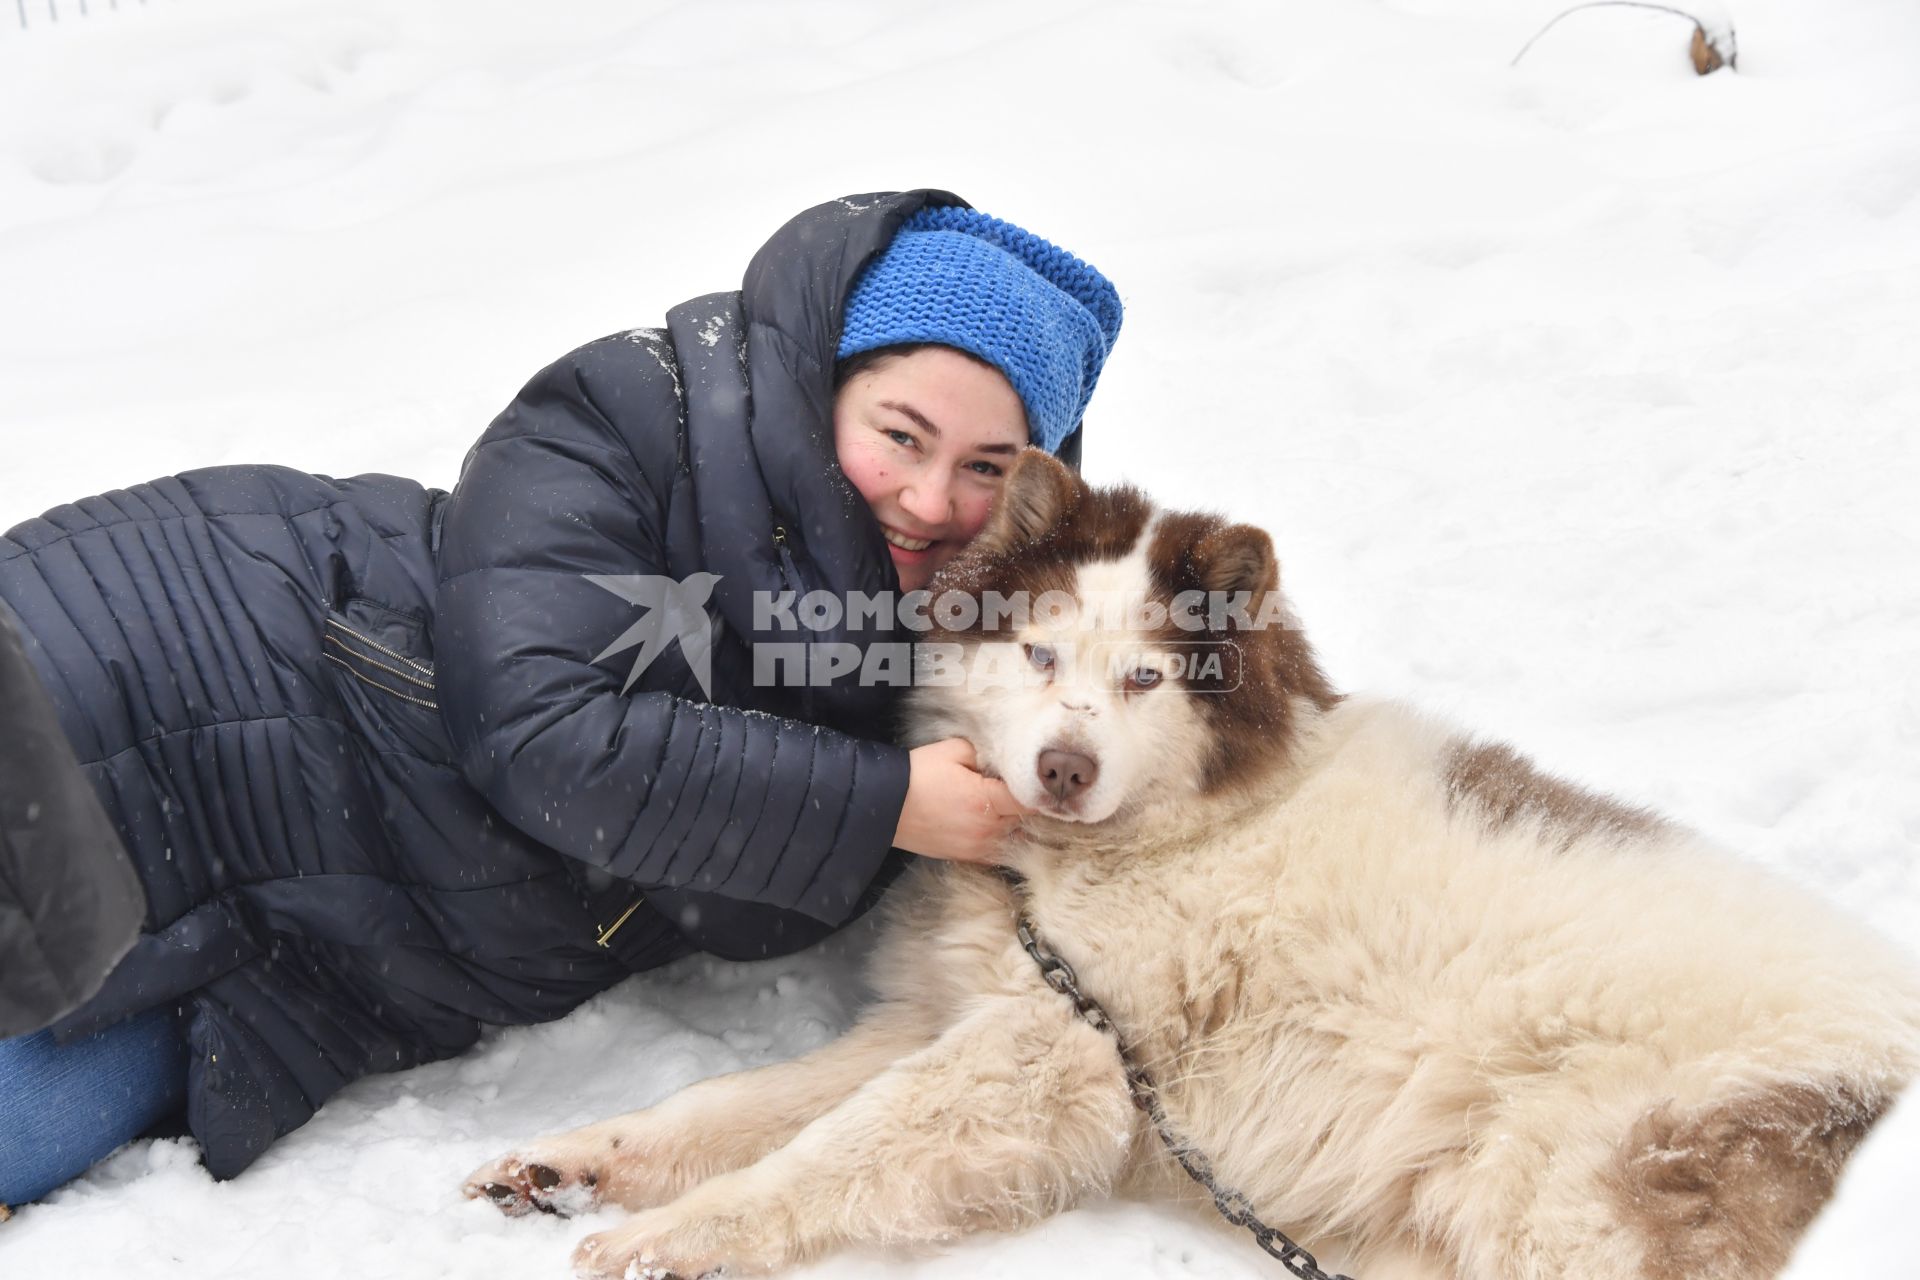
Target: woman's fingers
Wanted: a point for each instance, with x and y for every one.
(952, 810)
(1001, 801)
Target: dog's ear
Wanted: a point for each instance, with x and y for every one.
(1237, 558)
(1040, 492)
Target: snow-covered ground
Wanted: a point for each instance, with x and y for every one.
(1579, 396)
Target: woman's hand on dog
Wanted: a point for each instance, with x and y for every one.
(954, 811)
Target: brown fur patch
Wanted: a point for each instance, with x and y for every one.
(1047, 511)
(1506, 787)
(1032, 503)
(1250, 709)
(1725, 1194)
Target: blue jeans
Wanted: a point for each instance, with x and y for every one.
(62, 1108)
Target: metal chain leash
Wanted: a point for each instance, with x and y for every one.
(1233, 1206)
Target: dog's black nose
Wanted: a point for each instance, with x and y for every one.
(1066, 773)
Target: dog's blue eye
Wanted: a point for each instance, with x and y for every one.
(1040, 656)
(1144, 678)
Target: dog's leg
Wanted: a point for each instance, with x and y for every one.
(648, 1157)
(1015, 1113)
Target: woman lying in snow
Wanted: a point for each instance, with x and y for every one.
(392, 763)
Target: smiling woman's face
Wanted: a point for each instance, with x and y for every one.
(926, 437)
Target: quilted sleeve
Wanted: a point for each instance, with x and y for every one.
(570, 483)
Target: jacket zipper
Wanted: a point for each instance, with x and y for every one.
(607, 934)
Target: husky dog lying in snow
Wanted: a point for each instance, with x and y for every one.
(1424, 1006)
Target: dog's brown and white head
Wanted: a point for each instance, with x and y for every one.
(1115, 655)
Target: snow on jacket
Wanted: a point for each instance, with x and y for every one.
(355, 738)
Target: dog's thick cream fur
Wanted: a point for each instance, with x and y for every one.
(1422, 1004)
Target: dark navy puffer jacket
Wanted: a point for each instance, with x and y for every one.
(353, 734)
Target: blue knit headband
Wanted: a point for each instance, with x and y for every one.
(959, 278)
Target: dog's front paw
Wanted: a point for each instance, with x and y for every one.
(627, 1254)
(535, 1182)
(663, 1244)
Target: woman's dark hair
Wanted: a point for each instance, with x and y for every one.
(845, 371)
